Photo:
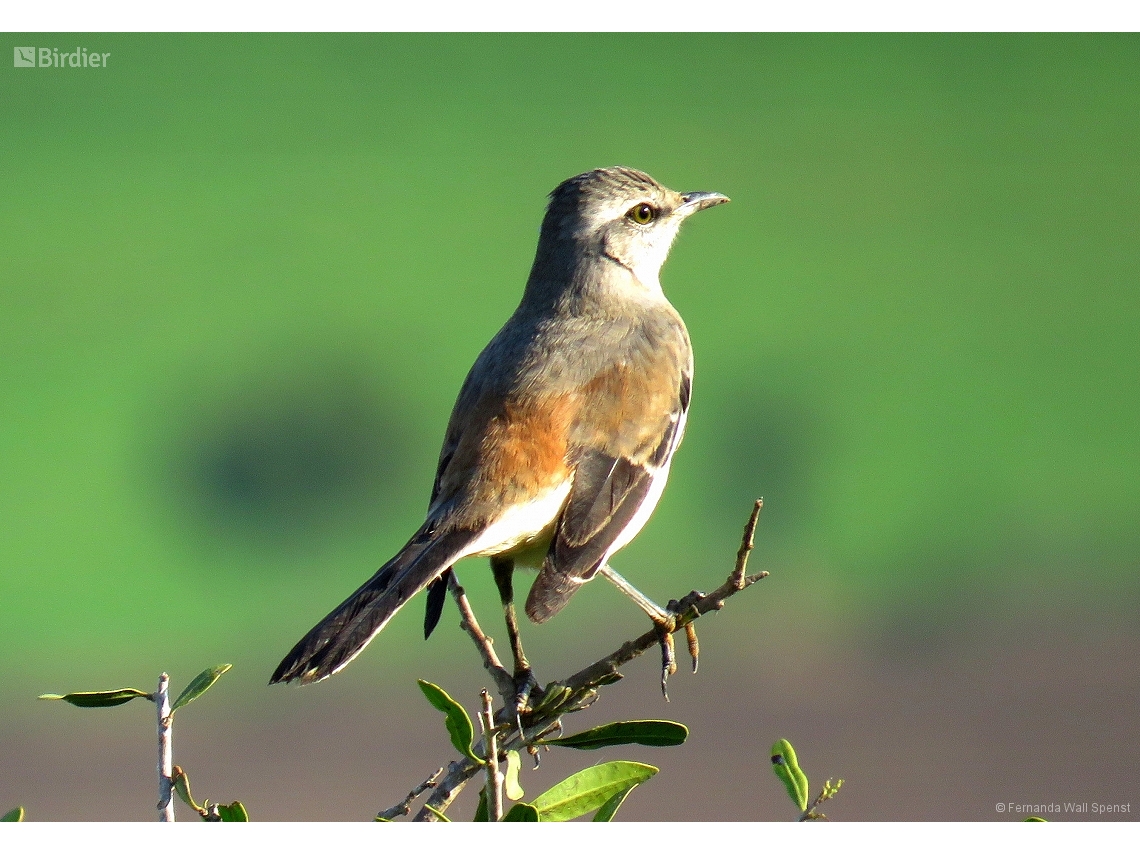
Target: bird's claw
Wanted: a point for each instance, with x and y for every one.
(694, 645)
(525, 685)
(665, 629)
(668, 655)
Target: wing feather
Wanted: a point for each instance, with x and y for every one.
(607, 494)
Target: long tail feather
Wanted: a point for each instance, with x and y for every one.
(339, 638)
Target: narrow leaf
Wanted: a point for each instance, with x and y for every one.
(522, 812)
(511, 787)
(787, 769)
(458, 722)
(624, 733)
(16, 814)
(590, 789)
(553, 695)
(481, 812)
(199, 685)
(111, 698)
(233, 812)
(606, 812)
(182, 787)
(1035, 819)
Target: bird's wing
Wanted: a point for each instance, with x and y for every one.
(630, 424)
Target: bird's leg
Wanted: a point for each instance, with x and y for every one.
(525, 683)
(656, 614)
(665, 620)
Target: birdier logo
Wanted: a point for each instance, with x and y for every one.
(45, 57)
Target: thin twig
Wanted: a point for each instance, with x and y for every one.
(165, 751)
(828, 792)
(689, 608)
(580, 690)
(459, 772)
(491, 753)
(405, 807)
(747, 544)
(468, 623)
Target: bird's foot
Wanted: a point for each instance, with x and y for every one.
(672, 618)
(666, 621)
(525, 686)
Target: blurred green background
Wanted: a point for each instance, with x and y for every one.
(241, 281)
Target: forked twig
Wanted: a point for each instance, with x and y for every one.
(405, 807)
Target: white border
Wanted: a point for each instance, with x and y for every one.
(618, 837)
(581, 16)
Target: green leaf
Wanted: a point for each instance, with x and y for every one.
(590, 789)
(233, 812)
(1034, 819)
(787, 769)
(458, 722)
(511, 787)
(553, 695)
(182, 787)
(606, 812)
(624, 733)
(482, 814)
(199, 686)
(111, 698)
(16, 814)
(522, 812)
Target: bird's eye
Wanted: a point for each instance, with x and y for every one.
(642, 214)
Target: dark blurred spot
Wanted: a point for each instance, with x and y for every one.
(920, 633)
(767, 445)
(294, 452)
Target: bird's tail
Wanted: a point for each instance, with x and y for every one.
(336, 640)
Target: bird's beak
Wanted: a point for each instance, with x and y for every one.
(698, 201)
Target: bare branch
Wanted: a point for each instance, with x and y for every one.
(459, 772)
(165, 751)
(747, 543)
(503, 681)
(491, 753)
(405, 807)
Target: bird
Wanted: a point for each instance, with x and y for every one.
(560, 441)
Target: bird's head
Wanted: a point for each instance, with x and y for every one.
(618, 216)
